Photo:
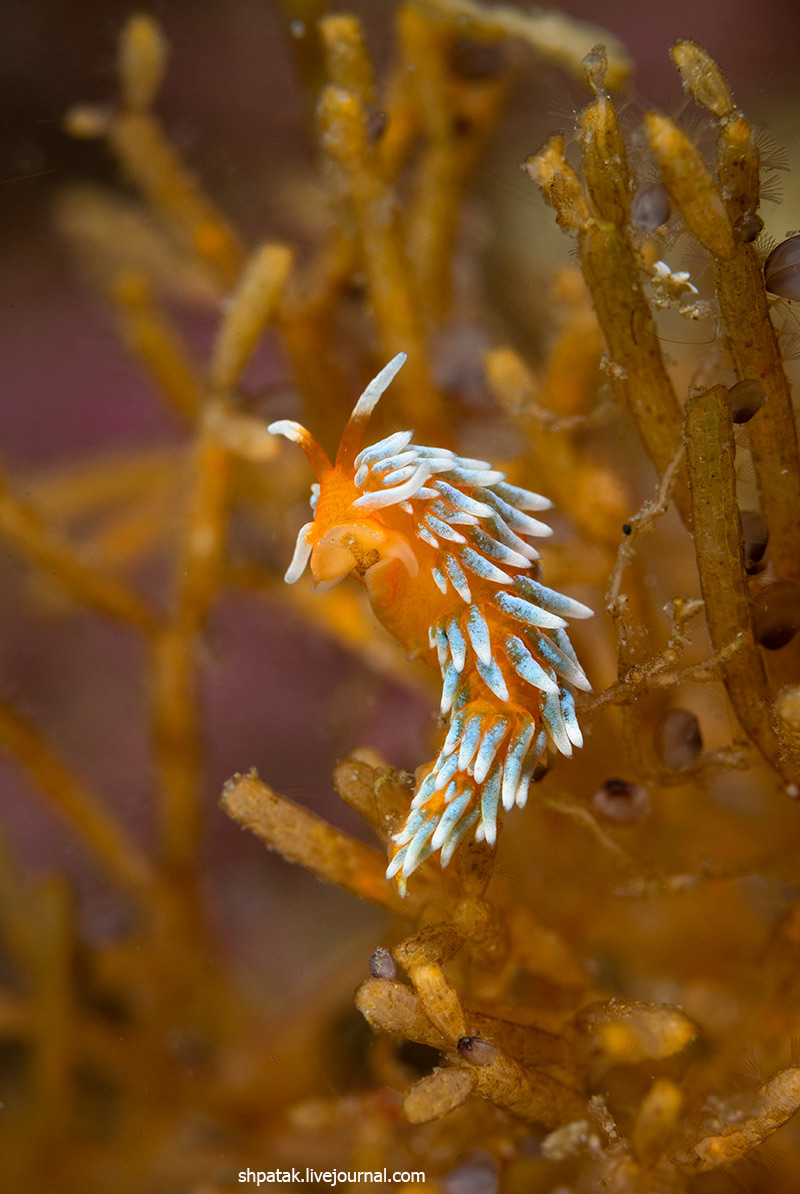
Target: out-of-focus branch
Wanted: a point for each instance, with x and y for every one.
(710, 452)
(111, 845)
(724, 218)
(300, 836)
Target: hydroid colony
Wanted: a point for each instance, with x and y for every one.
(584, 1009)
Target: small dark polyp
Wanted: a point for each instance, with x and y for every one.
(776, 615)
(476, 1050)
(540, 770)
(382, 964)
(621, 801)
(677, 739)
(746, 399)
(748, 226)
(782, 269)
(650, 207)
(476, 60)
(755, 537)
(375, 123)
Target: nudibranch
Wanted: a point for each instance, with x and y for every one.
(441, 543)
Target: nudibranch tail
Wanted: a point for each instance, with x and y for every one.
(442, 544)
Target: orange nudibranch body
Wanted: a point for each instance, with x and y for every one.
(441, 543)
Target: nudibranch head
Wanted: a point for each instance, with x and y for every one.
(348, 533)
(360, 546)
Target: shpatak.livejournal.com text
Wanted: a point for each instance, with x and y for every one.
(333, 1177)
